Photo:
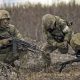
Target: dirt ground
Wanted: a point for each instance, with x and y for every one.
(69, 73)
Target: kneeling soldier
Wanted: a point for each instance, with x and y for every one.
(58, 35)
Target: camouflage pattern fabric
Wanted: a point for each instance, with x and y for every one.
(55, 29)
(4, 14)
(55, 23)
(75, 41)
(9, 31)
(14, 32)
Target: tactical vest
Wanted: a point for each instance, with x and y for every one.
(4, 34)
(57, 34)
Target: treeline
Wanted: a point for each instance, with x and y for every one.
(27, 18)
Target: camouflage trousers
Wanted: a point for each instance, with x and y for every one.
(49, 48)
(4, 53)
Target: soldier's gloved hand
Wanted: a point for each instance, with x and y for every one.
(0, 45)
(62, 45)
(65, 44)
(54, 45)
(4, 41)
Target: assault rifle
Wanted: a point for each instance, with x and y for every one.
(21, 45)
(64, 64)
(17, 46)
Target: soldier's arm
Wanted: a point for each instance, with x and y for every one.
(18, 35)
(68, 33)
(66, 30)
(49, 38)
(15, 32)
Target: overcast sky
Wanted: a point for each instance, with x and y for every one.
(36, 1)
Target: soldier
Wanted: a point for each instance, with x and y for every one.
(7, 32)
(58, 35)
(75, 43)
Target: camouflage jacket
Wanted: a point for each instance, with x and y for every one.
(8, 32)
(60, 27)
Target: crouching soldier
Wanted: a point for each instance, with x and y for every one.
(7, 32)
(58, 35)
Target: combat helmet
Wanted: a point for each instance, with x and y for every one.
(4, 14)
(48, 20)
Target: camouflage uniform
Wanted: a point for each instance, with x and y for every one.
(75, 42)
(58, 35)
(8, 31)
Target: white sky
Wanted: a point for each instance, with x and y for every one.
(1, 1)
(48, 2)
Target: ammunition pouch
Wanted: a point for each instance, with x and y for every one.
(57, 34)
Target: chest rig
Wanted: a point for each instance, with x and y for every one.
(57, 33)
(5, 33)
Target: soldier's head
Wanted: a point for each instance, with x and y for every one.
(4, 18)
(48, 21)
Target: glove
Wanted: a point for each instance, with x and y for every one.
(65, 44)
(54, 45)
(5, 42)
(62, 45)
